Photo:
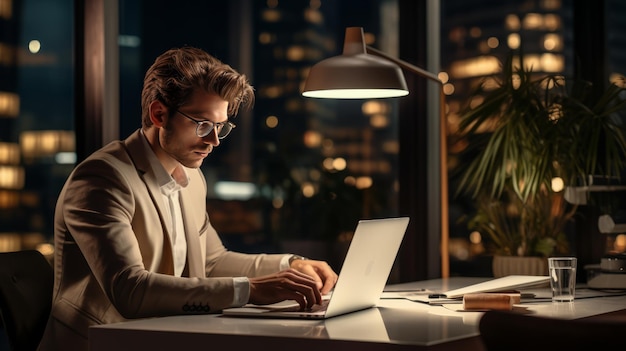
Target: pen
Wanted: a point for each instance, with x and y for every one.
(437, 296)
(404, 290)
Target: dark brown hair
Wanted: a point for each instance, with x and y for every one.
(177, 73)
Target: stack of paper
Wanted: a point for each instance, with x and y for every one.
(511, 282)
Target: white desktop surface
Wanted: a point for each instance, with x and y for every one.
(394, 323)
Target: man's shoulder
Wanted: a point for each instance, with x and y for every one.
(117, 151)
(113, 158)
(114, 151)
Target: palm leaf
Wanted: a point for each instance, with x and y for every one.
(528, 146)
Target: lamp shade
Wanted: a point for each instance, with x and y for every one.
(355, 74)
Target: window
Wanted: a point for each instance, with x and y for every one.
(297, 174)
(36, 118)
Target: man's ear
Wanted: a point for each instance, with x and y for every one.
(158, 113)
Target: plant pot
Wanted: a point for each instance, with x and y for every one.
(519, 265)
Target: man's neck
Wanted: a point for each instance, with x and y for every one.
(152, 136)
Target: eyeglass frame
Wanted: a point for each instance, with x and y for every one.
(219, 125)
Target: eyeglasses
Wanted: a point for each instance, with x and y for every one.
(203, 128)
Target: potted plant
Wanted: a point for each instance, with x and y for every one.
(530, 136)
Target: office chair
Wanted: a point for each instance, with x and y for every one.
(511, 332)
(26, 282)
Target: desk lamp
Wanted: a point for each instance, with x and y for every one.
(363, 72)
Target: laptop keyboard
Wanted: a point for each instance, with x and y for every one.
(296, 308)
(320, 307)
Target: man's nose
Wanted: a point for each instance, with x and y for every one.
(212, 138)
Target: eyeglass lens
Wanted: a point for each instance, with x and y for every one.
(203, 128)
(206, 127)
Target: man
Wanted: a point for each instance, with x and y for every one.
(132, 235)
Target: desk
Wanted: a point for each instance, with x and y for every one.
(392, 325)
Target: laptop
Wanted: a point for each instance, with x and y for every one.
(362, 278)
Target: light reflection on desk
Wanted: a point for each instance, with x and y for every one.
(434, 324)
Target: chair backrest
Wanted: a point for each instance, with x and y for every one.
(511, 332)
(26, 282)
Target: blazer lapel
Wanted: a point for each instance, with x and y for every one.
(136, 149)
(195, 259)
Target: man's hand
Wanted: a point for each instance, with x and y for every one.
(285, 285)
(320, 271)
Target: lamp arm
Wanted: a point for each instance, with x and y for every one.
(443, 156)
(405, 65)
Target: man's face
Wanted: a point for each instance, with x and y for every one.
(178, 137)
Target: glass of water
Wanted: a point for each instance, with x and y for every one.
(562, 278)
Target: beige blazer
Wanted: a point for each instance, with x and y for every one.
(113, 258)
